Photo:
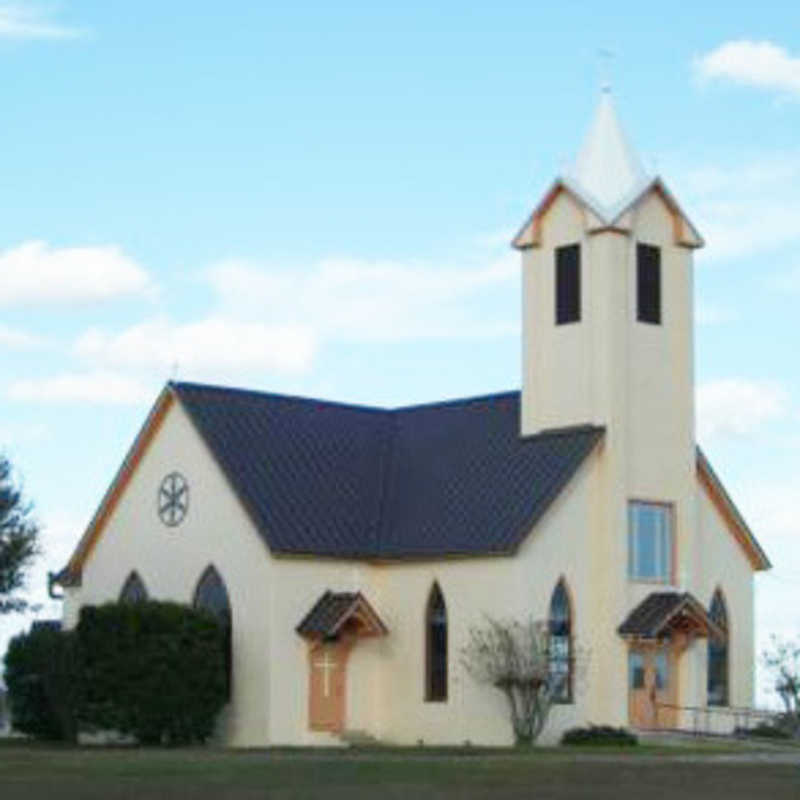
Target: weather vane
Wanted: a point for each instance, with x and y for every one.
(605, 58)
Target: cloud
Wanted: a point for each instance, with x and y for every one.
(94, 388)
(762, 65)
(745, 206)
(360, 300)
(739, 407)
(18, 21)
(35, 273)
(210, 346)
(14, 339)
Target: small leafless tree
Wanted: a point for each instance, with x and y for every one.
(514, 657)
(783, 661)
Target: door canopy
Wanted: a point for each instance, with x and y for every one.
(662, 614)
(336, 613)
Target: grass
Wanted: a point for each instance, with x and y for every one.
(46, 773)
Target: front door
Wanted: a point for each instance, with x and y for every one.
(327, 685)
(649, 687)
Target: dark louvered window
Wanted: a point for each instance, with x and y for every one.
(212, 596)
(568, 284)
(648, 284)
(436, 647)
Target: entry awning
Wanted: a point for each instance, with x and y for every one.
(337, 612)
(663, 613)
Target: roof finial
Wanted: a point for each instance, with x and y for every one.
(605, 58)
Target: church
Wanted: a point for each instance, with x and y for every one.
(349, 550)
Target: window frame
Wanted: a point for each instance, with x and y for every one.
(719, 652)
(667, 575)
(567, 697)
(565, 313)
(649, 313)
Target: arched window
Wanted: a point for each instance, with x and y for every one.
(133, 590)
(560, 645)
(436, 647)
(212, 596)
(718, 654)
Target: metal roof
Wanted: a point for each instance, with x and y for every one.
(661, 611)
(327, 479)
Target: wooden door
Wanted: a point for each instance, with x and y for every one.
(327, 686)
(649, 686)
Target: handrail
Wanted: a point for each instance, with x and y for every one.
(702, 717)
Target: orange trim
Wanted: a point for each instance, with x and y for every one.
(112, 497)
(530, 235)
(731, 516)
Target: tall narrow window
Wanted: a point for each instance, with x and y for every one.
(648, 284)
(560, 646)
(718, 654)
(568, 284)
(650, 542)
(436, 647)
(212, 596)
(133, 590)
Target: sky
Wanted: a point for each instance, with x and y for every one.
(318, 199)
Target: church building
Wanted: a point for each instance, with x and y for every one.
(349, 550)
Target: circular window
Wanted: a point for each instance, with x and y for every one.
(173, 499)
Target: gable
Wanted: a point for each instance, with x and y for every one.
(684, 233)
(725, 507)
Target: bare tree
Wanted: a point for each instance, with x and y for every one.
(783, 661)
(514, 657)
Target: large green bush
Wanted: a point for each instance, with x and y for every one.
(42, 674)
(152, 670)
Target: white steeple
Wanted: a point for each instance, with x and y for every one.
(607, 174)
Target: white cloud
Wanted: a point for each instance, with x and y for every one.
(735, 406)
(26, 21)
(94, 388)
(35, 273)
(14, 339)
(357, 300)
(763, 65)
(215, 345)
(745, 206)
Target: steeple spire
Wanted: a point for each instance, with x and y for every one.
(607, 173)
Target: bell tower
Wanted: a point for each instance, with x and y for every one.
(608, 340)
(607, 298)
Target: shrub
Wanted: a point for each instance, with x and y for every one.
(152, 670)
(599, 735)
(42, 674)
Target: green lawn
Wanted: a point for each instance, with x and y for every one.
(42, 773)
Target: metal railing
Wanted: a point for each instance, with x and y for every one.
(713, 720)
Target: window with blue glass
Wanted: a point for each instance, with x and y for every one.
(650, 542)
(560, 644)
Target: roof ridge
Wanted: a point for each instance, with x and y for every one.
(456, 401)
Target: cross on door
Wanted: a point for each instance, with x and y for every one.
(327, 665)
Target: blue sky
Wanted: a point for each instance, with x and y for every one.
(317, 198)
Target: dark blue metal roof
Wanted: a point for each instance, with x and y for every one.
(328, 479)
